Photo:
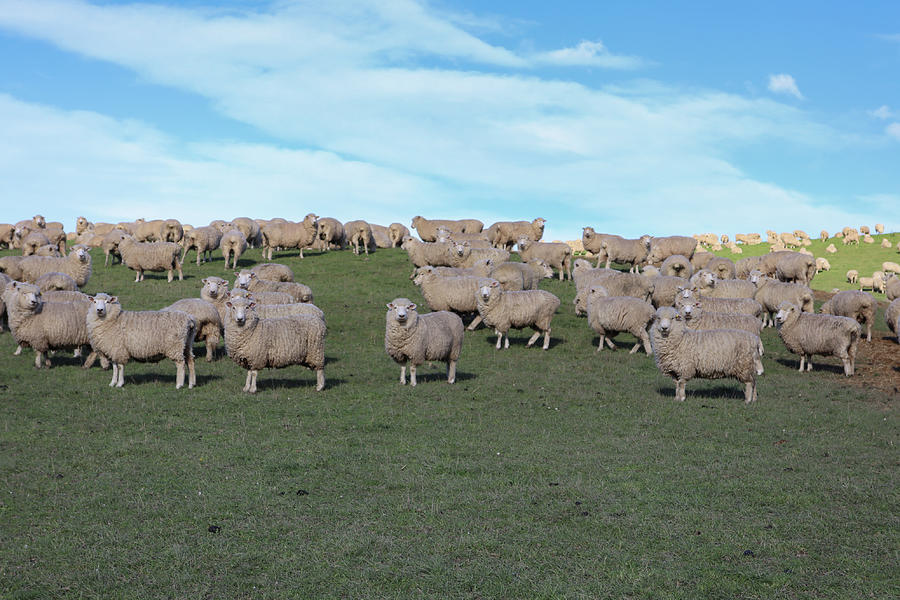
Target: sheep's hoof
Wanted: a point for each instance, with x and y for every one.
(178, 386)
(120, 384)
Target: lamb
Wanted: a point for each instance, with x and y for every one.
(515, 276)
(771, 293)
(624, 251)
(207, 321)
(557, 255)
(233, 243)
(359, 233)
(677, 265)
(55, 281)
(76, 265)
(892, 317)
(289, 235)
(251, 282)
(609, 315)
(683, 353)
(504, 234)
(397, 232)
(46, 326)
(273, 272)
(892, 287)
(822, 264)
(330, 233)
(857, 305)
(890, 267)
(255, 343)
(528, 308)
(381, 236)
(146, 336)
(796, 268)
(710, 286)
(663, 247)
(249, 228)
(852, 276)
(742, 306)
(413, 338)
(455, 294)
(151, 256)
(828, 335)
(204, 240)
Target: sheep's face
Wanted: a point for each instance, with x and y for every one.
(666, 321)
(785, 309)
(460, 249)
(523, 243)
(82, 255)
(239, 308)
(102, 304)
(707, 279)
(588, 234)
(29, 297)
(215, 287)
(544, 269)
(402, 311)
(243, 279)
(489, 291)
(443, 234)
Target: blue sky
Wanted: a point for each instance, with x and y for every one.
(631, 117)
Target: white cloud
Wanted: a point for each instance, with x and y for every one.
(893, 130)
(784, 84)
(589, 54)
(882, 112)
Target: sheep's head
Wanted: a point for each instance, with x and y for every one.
(103, 305)
(241, 310)
(82, 253)
(588, 233)
(244, 278)
(29, 295)
(666, 319)
(785, 310)
(215, 286)
(402, 311)
(543, 268)
(490, 288)
(460, 249)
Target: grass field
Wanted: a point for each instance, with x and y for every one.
(537, 475)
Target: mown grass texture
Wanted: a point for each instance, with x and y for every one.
(537, 475)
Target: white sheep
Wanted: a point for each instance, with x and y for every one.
(208, 323)
(76, 265)
(255, 343)
(697, 317)
(557, 255)
(592, 241)
(632, 252)
(711, 286)
(890, 267)
(203, 239)
(822, 264)
(283, 234)
(892, 317)
(151, 256)
(55, 281)
(504, 234)
(879, 228)
(770, 293)
(515, 276)
(609, 315)
(677, 265)
(261, 297)
(413, 338)
(397, 232)
(273, 272)
(857, 305)
(885, 243)
(359, 233)
(831, 249)
(683, 353)
(665, 288)
(852, 276)
(743, 306)
(504, 310)
(454, 294)
(427, 228)
(660, 248)
(330, 234)
(892, 287)
(233, 243)
(251, 282)
(381, 236)
(423, 254)
(249, 228)
(110, 245)
(807, 334)
(146, 336)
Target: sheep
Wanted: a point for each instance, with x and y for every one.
(609, 315)
(742, 306)
(151, 256)
(55, 281)
(807, 334)
(649, 271)
(770, 293)
(32, 242)
(851, 237)
(251, 282)
(711, 286)
(413, 338)
(745, 266)
(725, 239)
(592, 241)
(822, 264)
(892, 287)
(615, 282)
(266, 310)
(665, 288)
(624, 251)
(397, 232)
(262, 297)
(76, 265)
(663, 247)
(289, 235)
(868, 283)
(557, 255)
(869, 239)
(47, 250)
(696, 317)
(464, 255)
(7, 235)
(330, 234)
(796, 268)
(64, 296)
(890, 267)
(146, 336)
(504, 310)
(148, 231)
(864, 229)
(514, 276)
(831, 249)
(707, 239)
(249, 228)
(482, 268)
(677, 265)
(504, 234)
(273, 272)
(255, 343)
(170, 230)
(892, 317)
(381, 236)
(204, 240)
(879, 228)
(878, 284)
(456, 294)
(359, 233)
(476, 240)
(700, 259)
(751, 239)
(857, 305)
(208, 323)
(886, 243)
(427, 228)
(683, 353)
(422, 254)
(852, 276)
(823, 235)
(46, 326)
(233, 243)
(11, 266)
(215, 291)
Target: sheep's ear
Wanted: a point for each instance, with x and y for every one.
(205, 280)
(411, 306)
(236, 274)
(678, 316)
(680, 288)
(466, 243)
(495, 283)
(251, 305)
(390, 305)
(91, 298)
(228, 304)
(114, 299)
(699, 304)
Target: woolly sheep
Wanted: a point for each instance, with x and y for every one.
(892, 287)
(76, 265)
(397, 232)
(330, 234)
(892, 317)
(47, 250)
(273, 272)
(823, 235)
(864, 229)
(7, 235)
(890, 267)
(795, 268)
(263, 298)
(616, 284)
(413, 338)
(110, 245)
(436, 254)
(31, 242)
(359, 233)
(515, 276)
(557, 255)
(289, 235)
(683, 353)
(711, 286)
(146, 336)
(663, 247)
(170, 230)
(852, 276)
(721, 267)
(427, 228)
(868, 283)
(592, 241)
(770, 293)
(454, 294)
(464, 255)
(665, 288)
(504, 234)
(55, 281)
(831, 249)
(857, 305)
(851, 238)
(215, 291)
(885, 243)
(742, 306)
(822, 264)
(476, 240)
(251, 282)
(151, 256)
(868, 239)
(807, 334)
(745, 266)
(249, 228)
(381, 236)
(700, 259)
(287, 309)
(650, 271)
(148, 231)
(255, 343)
(751, 239)
(879, 228)
(623, 251)
(609, 315)
(677, 265)
(696, 317)
(204, 240)
(504, 310)
(10, 265)
(481, 269)
(208, 323)
(233, 243)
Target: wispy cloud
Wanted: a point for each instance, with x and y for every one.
(589, 54)
(889, 37)
(784, 84)
(882, 112)
(893, 130)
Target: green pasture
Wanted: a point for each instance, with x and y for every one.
(558, 474)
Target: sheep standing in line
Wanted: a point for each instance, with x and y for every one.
(663, 247)
(76, 265)
(771, 293)
(151, 256)
(397, 232)
(557, 255)
(55, 281)
(146, 336)
(528, 308)
(710, 286)
(254, 343)
(505, 234)
(683, 353)
(623, 251)
(892, 317)
(251, 282)
(807, 334)
(857, 305)
(273, 272)
(454, 294)
(233, 243)
(203, 239)
(413, 338)
(609, 315)
(289, 235)
(206, 317)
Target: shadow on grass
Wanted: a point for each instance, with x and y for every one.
(295, 383)
(817, 366)
(165, 377)
(439, 375)
(625, 346)
(724, 391)
(514, 341)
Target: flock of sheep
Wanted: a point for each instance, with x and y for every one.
(699, 315)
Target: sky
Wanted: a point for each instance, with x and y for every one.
(629, 117)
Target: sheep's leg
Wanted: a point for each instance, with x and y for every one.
(121, 381)
(38, 359)
(89, 361)
(412, 375)
(115, 374)
(645, 340)
(757, 362)
(179, 374)
(802, 362)
(602, 341)
(211, 348)
(679, 390)
(18, 350)
(320, 379)
(848, 366)
(506, 341)
(253, 377)
(869, 331)
(402, 374)
(106, 260)
(635, 347)
(170, 275)
(610, 343)
(546, 339)
(475, 322)
(750, 392)
(499, 338)
(809, 363)
(451, 371)
(246, 387)
(137, 276)
(192, 374)
(533, 339)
